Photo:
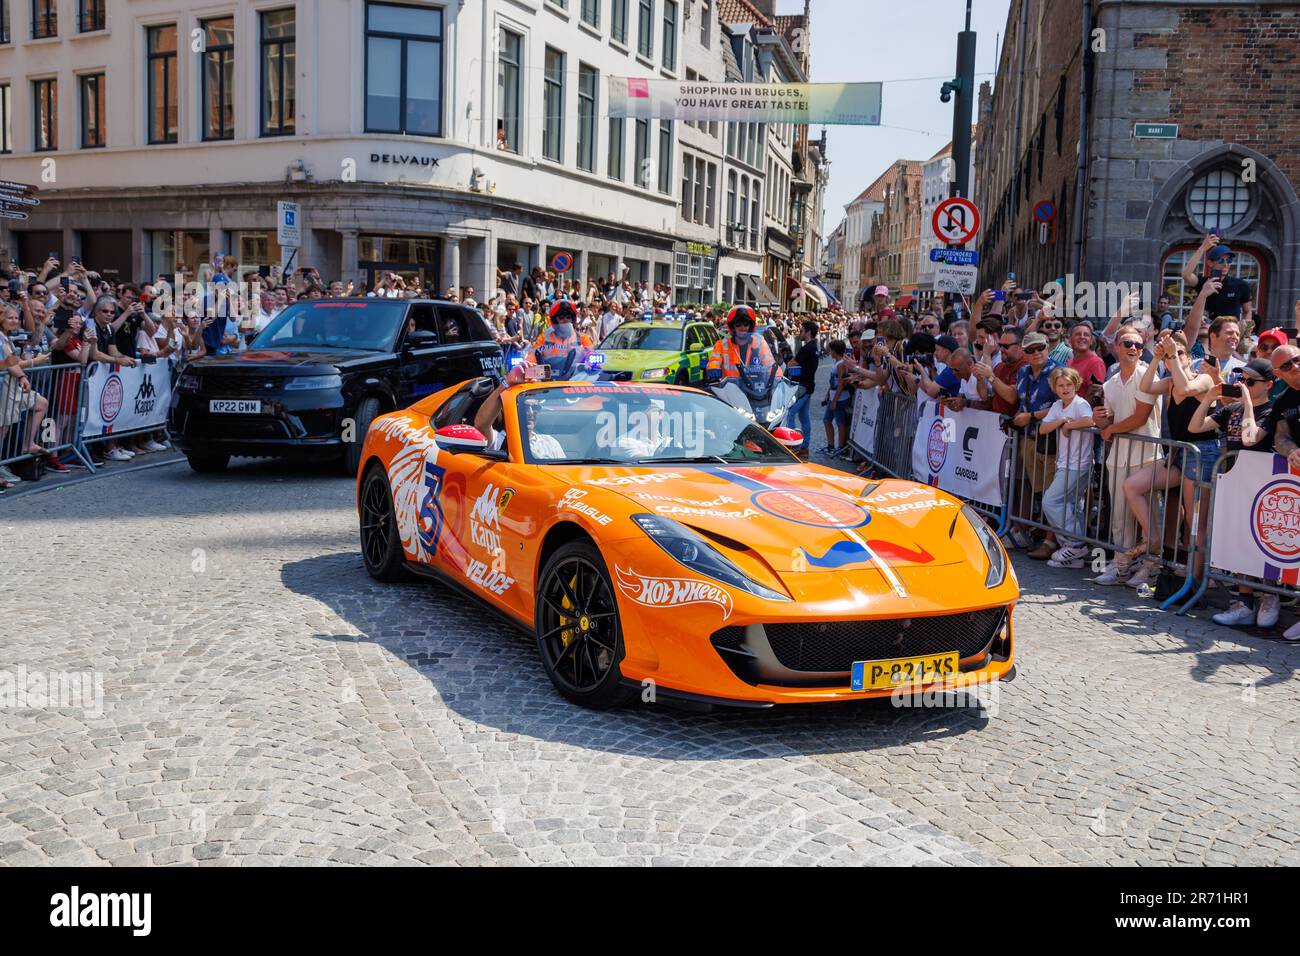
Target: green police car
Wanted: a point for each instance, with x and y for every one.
(655, 350)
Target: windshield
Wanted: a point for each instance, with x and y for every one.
(370, 324)
(654, 338)
(595, 424)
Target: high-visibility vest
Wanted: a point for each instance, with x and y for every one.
(727, 356)
(551, 348)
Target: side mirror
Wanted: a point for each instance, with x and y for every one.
(696, 347)
(420, 339)
(788, 437)
(460, 438)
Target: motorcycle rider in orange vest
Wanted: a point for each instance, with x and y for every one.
(554, 346)
(742, 346)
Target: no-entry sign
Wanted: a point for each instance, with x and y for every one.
(955, 220)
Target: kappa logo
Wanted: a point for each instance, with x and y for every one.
(672, 592)
(650, 478)
(490, 505)
(146, 389)
(1275, 520)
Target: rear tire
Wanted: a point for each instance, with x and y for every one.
(367, 412)
(381, 546)
(207, 463)
(578, 630)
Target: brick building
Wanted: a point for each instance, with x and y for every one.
(890, 255)
(1220, 70)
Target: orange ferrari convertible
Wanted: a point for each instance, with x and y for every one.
(655, 540)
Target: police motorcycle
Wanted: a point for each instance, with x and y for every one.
(756, 390)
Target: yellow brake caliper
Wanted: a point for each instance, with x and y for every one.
(570, 633)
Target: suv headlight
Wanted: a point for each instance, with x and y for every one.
(688, 548)
(992, 547)
(313, 382)
(187, 383)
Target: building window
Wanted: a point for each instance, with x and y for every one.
(45, 18)
(1218, 200)
(616, 137)
(642, 155)
(5, 36)
(162, 84)
(645, 38)
(710, 190)
(731, 201)
(553, 121)
(587, 83)
(666, 157)
(670, 34)
(618, 20)
(218, 72)
(743, 223)
(403, 69)
(6, 121)
(90, 15)
(688, 186)
(510, 64)
(591, 13)
(279, 59)
(45, 96)
(706, 23)
(92, 111)
(698, 217)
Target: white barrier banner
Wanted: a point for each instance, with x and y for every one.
(1256, 518)
(125, 399)
(960, 452)
(862, 426)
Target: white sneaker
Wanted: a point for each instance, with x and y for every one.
(1114, 574)
(118, 454)
(1065, 562)
(1236, 615)
(126, 451)
(1292, 633)
(152, 445)
(1268, 606)
(1146, 574)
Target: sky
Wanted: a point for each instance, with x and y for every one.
(911, 47)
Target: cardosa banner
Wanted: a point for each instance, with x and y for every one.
(960, 452)
(1256, 518)
(123, 399)
(856, 104)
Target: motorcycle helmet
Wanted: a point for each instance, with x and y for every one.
(563, 309)
(741, 312)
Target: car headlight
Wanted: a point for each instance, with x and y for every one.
(313, 382)
(688, 548)
(992, 547)
(655, 373)
(187, 383)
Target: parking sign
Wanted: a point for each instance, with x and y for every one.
(288, 230)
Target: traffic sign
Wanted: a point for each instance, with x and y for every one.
(1155, 131)
(955, 278)
(288, 229)
(955, 257)
(1045, 211)
(12, 214)
(955, 220)
(12, 199)
(562, 262)
(11, 186)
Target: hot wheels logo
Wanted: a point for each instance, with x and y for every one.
(672, 592)
(1275, 520)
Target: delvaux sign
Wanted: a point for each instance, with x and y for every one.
(856, 104)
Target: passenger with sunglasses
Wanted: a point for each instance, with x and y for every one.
(1235, 423)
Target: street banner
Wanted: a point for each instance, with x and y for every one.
(125, 399)
(960, 452)
(856, 104)
(1256, 520)
(862, 426)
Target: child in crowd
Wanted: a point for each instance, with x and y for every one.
(1063, 501)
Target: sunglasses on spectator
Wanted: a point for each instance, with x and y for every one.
(1131, 344)
(1008, 345)
(1287, 365)
(1252, 379)
(1035, 349)
(1050, 325)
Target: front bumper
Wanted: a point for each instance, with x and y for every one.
(306, 426)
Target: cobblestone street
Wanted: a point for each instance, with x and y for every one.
(265, 702)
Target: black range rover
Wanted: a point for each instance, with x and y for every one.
(318, 367)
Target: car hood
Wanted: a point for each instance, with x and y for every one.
(282, 361)
(636, 358)
(799, 519)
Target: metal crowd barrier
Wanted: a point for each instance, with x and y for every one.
(1228, 578)
(57, 427)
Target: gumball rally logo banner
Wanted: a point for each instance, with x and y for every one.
(1256, 518)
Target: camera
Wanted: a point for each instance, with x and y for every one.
(1230, 391)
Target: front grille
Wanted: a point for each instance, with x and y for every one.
(237, 386)
(235, 427)
(835, 645)
(729, 638)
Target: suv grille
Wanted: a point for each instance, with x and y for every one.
(835, 645)
(237, 386)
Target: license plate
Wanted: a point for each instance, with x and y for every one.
(902, 671)
(236, 407)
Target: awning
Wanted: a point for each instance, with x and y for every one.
(756, 290)
(814, 293)
(831, 300)
(903, 302)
